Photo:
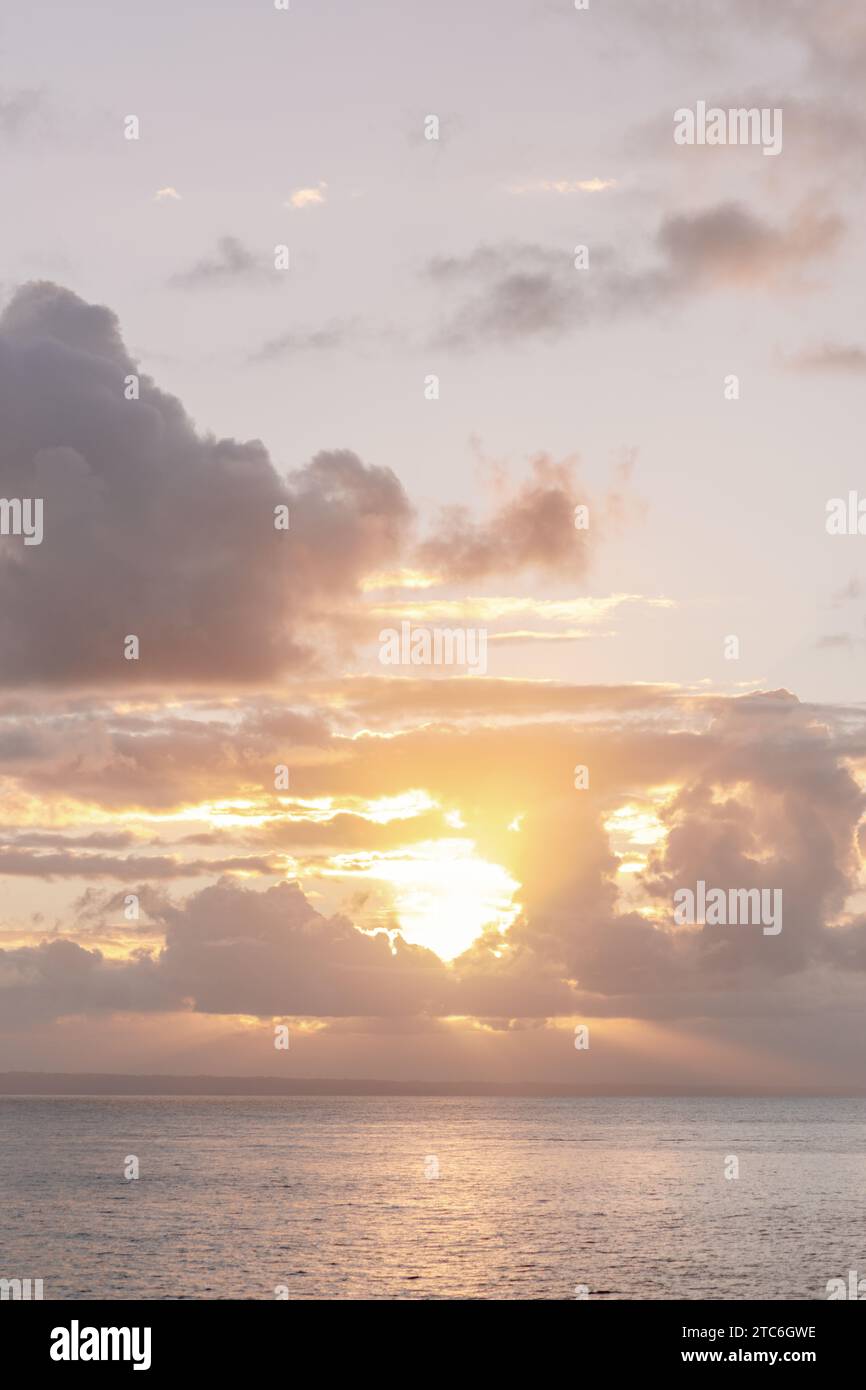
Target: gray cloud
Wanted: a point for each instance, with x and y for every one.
(728, 245)
(229, 950)
(232, 264)
(513, 292)
(154, 530)
(301, 341)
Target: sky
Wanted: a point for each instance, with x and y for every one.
(324, 323)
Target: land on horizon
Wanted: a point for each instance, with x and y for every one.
(23, 1083)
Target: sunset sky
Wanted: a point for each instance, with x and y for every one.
(431, 896)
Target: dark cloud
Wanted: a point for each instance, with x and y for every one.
(166, 534)
(154, 530)
(274, 952)
(229, 950)
(43, 982)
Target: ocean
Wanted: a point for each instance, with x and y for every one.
(312, 1197)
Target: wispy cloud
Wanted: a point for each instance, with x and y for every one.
(299, 341)
(513, 291)
(829, 357)
(594, 185)
(232, 264)
(492, 608)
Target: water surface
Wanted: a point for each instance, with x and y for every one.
(330, 1196)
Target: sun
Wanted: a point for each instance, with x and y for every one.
(442, 892)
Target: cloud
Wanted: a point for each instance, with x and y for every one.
(830, 38)
(728, 245)
(299, 342)
(833, 36)
(758, 792)
(229, 950)
(233, 264)
(594, 185)
(46, 839)
(534, 528)
(281, 953)
(154, 530)
(512, 292)
(549, 522)
(25, 863)
(184, 524)
(830, 357)
(308, 197)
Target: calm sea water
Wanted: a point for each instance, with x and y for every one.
(331, 1197)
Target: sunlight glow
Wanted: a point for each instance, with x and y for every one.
(444, 894)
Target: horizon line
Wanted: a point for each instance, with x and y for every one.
(43, 1083)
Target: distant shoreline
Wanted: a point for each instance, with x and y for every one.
(31, 1083)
